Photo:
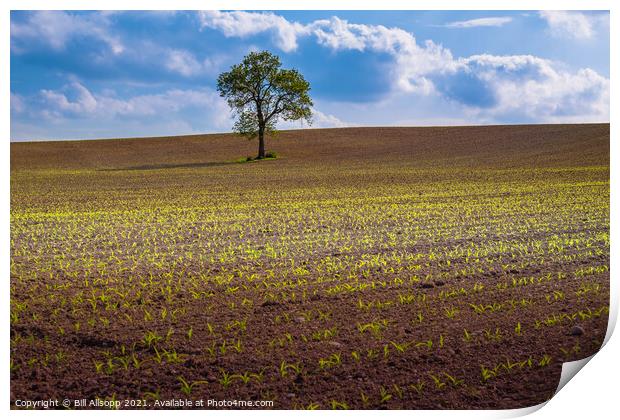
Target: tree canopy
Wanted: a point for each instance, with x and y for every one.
(261, 93)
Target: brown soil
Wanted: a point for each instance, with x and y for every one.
(416, 331)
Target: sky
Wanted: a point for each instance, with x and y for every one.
(85, 74)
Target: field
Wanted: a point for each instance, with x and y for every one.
(364, 268)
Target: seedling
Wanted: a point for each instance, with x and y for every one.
(487, 373)
(151, 338)
(385, 396)
(438, 382)
(245, 377)
(284, 368)
(454, 381)
(187, 387)
(365, 399)
(398, 390)
(337, 405)
(333, 360)
(226, 379)
(402, 347)
(417, 387)
(428, 344)
(451, 312)
(544, 361)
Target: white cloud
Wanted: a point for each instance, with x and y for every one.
(322, 120)
(575, 25)
(413, 60)
(532, 87)
(402, 110)
(338, 34)
(186, 64)
(56, 28)
(75, 100)
(519, 88)
(319, 120)
(74, 111)
(183, 62)
(508, 62)
(526, 85)
(244, 24)
(83, 103)
(473, 23)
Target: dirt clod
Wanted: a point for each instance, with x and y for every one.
(577, 330)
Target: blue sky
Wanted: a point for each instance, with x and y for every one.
(122, 74)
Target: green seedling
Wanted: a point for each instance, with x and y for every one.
(454, 381)
(337, 405)
(226, 379)
(285, 367)
(402, 347)
(417, 387)
(187, 387)
(438, 382)
(385, 396)
(544, 361)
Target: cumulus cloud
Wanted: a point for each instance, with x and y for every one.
(413, 61)
(338, 34)
(75, 104)
(474, 23)
(425, 79)
(575, 25)
(322, 120)
(56, 28)
(75, 100)
(58, 103)
(75, 111)
(488, 86)
(244, 24)
(319, 120)
(532, 87)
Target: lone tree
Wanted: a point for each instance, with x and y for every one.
(260, 93)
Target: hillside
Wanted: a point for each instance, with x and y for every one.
(492, 146)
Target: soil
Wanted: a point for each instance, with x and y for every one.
(413, 338)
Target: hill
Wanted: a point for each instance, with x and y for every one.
(492, 146)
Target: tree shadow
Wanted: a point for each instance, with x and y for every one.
(170, 166)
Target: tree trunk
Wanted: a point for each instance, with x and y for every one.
(261, 143)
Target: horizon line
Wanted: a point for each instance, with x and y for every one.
(11, 141)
